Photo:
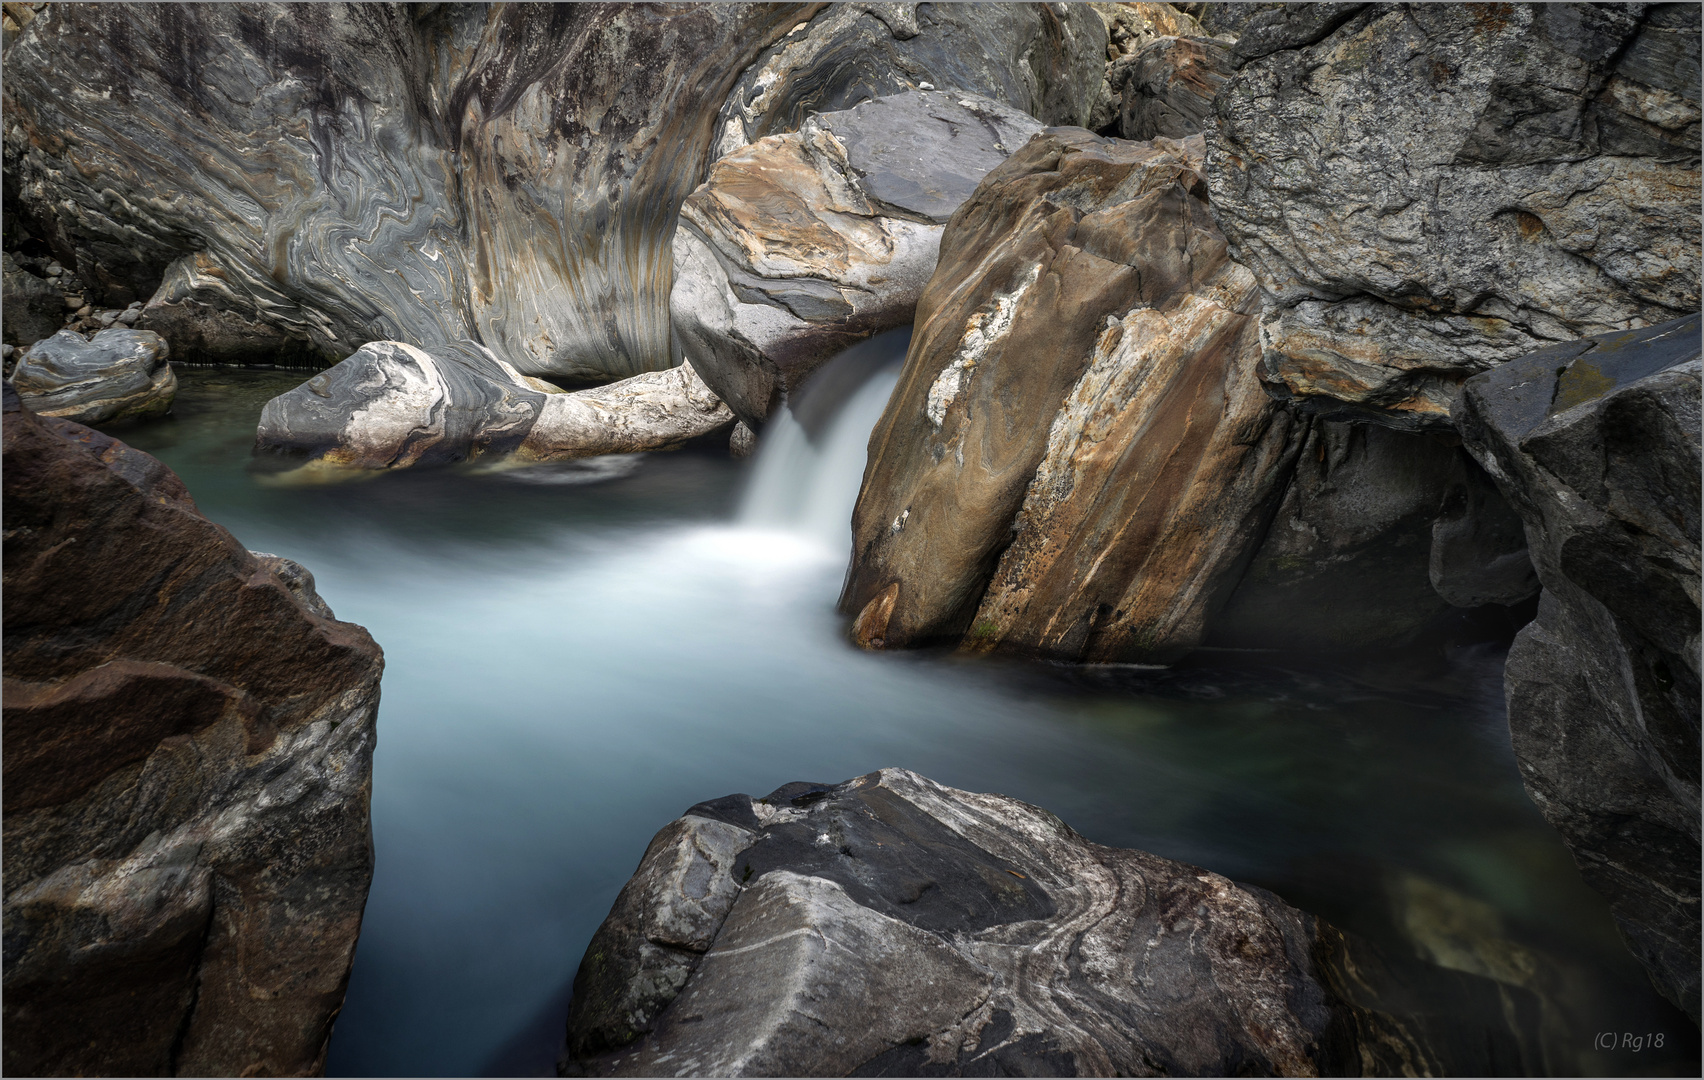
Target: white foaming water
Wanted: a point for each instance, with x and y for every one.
(809, 487)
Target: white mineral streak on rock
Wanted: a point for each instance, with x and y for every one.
(655, 411)
(981, 331)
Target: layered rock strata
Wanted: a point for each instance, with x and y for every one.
(1427, 190)
(1167, 87)
(473, 182)
(800, 245)
(119, 374)
(1596, 444)
(188, 745)
(890, 926)
(392, 406)
(1078, 452)
(1039, 59)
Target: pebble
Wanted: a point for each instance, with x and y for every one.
(129, 316)
(107, 318)
(5, 352)
(54, 269)
(83, 312)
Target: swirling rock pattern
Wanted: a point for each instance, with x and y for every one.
(188, 752)
(118, 374)
(473, 182)
(890, 926)
(1427, 190)
(800, 245)
(1596, 444)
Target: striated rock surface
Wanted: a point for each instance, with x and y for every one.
(188, 744)
(1039, 59)
(1078, 453)
(800, 245)
(1428, 190)
(392, 405)
(1167, 87)
(1379, 532)
(119, 374)
(890, 926)
(1596, 444)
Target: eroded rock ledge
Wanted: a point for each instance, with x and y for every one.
(890, 926)
(188, 766)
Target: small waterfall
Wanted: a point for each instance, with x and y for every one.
(807, 481)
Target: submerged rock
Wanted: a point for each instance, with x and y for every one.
(188, 748)
(119, 374)
(1428, 190)
(890, 926)
(800, 245)
(1083, 360)
(1596, 444)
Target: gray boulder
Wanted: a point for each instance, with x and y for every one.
(1428, 190)
(393, 405)
(1045, 60)
(119, 374)
(890, 926)
(1596, 444)
(802, 244)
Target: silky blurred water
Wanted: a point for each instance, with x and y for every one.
(576, 654)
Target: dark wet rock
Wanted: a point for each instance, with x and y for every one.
(1041, 59)
(1596, 445)
(1433, 189)
(1379, 533)
(1479, 546)
(188, 744)
(1083, 358)
(119, 374)
(890, 926)
(392, 405)
(1167, 88)
(31, 307)
(800, 245)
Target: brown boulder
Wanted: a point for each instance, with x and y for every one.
(188, 747)
(1079, 418)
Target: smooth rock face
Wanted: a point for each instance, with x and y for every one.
(392, 405)
(1078, 454)
(118, 374)
(800, 245)
(890, 926)
(1428, 190)
(1353, 560)
(188, 744)
(1596, 445)
(1040, 59)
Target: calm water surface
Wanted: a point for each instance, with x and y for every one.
(577, 654)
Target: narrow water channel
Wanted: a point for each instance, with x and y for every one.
(575, 654)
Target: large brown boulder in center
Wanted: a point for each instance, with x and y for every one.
(188, 766)
(1079, 418)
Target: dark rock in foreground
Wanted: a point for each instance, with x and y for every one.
(187, 749)
(890, 926)
(118, 374)
(1596, 444)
